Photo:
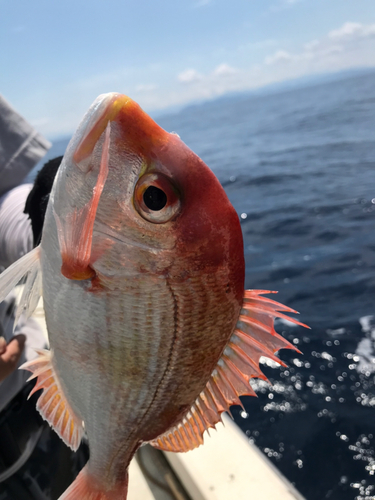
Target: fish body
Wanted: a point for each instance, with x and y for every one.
(161, 298)
(142, 269)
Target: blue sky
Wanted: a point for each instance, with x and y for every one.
(56, 57)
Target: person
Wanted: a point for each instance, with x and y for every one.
(34, 463)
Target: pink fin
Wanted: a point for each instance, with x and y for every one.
(52, 404)
(75, 233)
(253, 337)
(85, 487)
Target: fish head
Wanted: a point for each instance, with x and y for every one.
(162, 210)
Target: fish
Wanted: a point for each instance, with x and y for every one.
(141, 268)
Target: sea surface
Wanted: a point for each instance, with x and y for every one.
(299, 168)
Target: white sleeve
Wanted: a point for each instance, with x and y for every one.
(16, 237)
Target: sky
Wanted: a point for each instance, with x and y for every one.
(56, 57)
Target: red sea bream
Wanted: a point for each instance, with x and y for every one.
(141, 268)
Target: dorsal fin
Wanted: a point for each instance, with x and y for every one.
(253, 337)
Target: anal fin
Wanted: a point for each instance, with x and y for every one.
(52, 403)
(253, 337)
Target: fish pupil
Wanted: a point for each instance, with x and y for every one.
(154, 198)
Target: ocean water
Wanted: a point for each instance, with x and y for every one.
(299, 168)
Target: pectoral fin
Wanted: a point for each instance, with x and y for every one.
(52, 403)
(28, 265)
(75, 232)
(253, 337)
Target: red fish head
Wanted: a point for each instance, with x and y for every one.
(160, 199)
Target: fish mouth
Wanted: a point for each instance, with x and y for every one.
(135, 129)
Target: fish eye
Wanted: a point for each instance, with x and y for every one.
(156, 198)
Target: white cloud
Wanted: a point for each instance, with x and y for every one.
(280, 56)
(350, 38)
(331, 52)
(224, 70)
(353, 31)
(319, 49)
(189, 76)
